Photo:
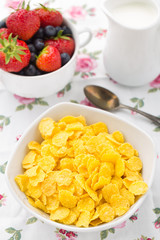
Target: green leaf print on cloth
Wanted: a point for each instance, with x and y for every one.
(157, 221)
(3, 168)
(16, 234)
(157, 129)
(62, 92)
(145, 238)
(139, 102)
(4, 121)
(31, 220)
(29, 102)
(104, 234)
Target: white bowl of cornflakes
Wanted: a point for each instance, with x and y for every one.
(81, 169)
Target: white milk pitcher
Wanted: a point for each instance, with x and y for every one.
(132, 49)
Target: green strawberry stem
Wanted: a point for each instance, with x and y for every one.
(11, 49)
(43, 51)
(47, 8)
(1, 34)
(59, 35)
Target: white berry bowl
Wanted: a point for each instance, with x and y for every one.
(134, 135)
(48, 83)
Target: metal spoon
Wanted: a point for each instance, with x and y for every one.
(106, 100)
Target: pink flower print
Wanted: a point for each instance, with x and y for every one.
(62, 231)
(92, 11)
(100, 33)
(1, 128)
(24, 100)
(58, 236)
(2, 200)
(87, 103)
(18, 137)
(121, 225)
(133, 218)
(112, 80)
(77, 12)
(156, 82)
(73, 234)
(67, 235)
(1, 196)
(13, 4)
(133, 112)
(142, 238)
(60, 94)
(157, 224)
(85, 63)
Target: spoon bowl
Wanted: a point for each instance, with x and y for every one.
(101, 97)
(107, 100)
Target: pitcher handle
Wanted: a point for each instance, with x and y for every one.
(87, 39)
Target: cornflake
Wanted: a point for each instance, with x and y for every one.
(81, 174)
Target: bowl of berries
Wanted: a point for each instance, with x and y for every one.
(38, 50)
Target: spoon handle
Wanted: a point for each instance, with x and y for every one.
(154, 119)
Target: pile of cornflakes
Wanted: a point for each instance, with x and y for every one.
(80, 174)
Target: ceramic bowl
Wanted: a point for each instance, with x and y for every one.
(138, 138)
(49, 83)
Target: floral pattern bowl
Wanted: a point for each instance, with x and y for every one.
(138, 138)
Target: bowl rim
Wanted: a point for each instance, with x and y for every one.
(55, 224)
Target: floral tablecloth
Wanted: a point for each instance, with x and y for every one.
(16, 113)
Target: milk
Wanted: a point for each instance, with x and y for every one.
(135, 14)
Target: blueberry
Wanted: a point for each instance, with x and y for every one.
(31, 47)
(58, 28)
(39, 44)
(21, 72)
(49, 31)
(30, 70)
(28, 41)
(33, 58)
(39, 33)
(64, 58)
(38, 72)
(66, 31)
(3, 24)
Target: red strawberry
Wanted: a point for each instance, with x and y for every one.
(4, 33)
(14, 54)
(24, 23)
(49, 59)
(49, 16)
(62, 43)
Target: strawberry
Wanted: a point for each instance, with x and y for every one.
(49, 16)
(62, 43)
(49, 59)
(4, 33)
(24, 23)
(14, 54)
